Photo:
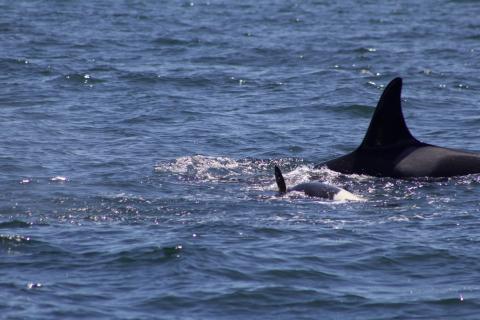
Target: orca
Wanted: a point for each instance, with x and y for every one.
(390, 150)
(315, 189)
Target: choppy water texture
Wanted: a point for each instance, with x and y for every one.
(137, 149)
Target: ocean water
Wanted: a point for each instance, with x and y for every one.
(137, 146)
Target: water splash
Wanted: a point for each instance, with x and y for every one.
(210, 169)
(251, 174)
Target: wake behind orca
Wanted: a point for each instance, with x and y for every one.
(390, 150)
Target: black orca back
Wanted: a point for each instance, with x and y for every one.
(390, 150)
(317, 189)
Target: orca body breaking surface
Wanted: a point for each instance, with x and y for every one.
(315, 189)
(390, 150)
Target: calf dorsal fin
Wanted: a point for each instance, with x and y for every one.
(282, 188)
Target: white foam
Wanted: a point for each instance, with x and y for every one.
(205, 168)
(199, 162)
(344, 195)
(59, 179)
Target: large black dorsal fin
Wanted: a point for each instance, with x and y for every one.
(387, 126)
(282, 188)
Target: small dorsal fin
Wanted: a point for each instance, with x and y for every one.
(282, 188)
(387, 126)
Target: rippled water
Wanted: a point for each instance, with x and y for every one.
(138, 143)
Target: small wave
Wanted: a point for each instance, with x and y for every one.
(473, 37)
(17, 244)
(265, 296)
(5, 63)
(167, 41)
(364, 50)
(147, 254)
(146, 118)
(12, 66)
(5, 27)
(15, 224)
(314, 275)
(277, 110)
(79, 78)
(8, 239)
(184, 80)
(354, 110)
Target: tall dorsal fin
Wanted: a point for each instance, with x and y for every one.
(387, 126)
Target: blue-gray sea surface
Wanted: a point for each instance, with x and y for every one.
(137, 146)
